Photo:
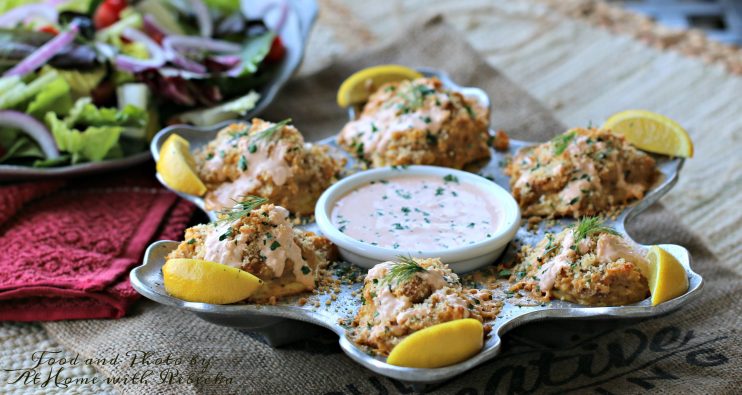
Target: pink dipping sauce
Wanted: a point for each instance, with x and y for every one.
(417, 213)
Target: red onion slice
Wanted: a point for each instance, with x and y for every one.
(205, 25)
(33, 128)
(45, 52)
(152, 27)
(156, 55)
(202, 44)
(11, 18)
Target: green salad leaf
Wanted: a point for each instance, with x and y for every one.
(229, 110)
(225, 6)
(15, 92)
(91, 144)
(254, 51)
(85, 113)
(20, 146)
(55, 97)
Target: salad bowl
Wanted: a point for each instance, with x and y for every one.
(296, 25)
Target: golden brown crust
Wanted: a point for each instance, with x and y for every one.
(580, 173)
(426, 299)
(419, 122)
(584, 274)
(310, 168)
(249, 234)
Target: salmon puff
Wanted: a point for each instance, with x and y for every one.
(400, 298)
(578, 173)
(265, 159)
(588, 263)
(418, 122)
(258, 237)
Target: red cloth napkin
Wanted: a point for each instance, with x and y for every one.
(67, 246)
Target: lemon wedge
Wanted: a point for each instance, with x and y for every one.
(177, 167)
(439, 345)
(357, 88)
(196, 280)
(667, 277)
(651, 132)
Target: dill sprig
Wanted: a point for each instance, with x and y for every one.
(591, 225)
(402, 271)
(240, 209)
(561, 142)
(269, 132)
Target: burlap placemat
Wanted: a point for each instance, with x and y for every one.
(693, 350)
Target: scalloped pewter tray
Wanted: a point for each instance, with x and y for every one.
(279, 324)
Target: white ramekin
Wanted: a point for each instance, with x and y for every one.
(460, 259)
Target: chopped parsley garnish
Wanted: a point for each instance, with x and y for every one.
(275, 245)
(504, 273)
(403, 194)
(191, 241)
(226, 234)
(374, 129)
(439, 191)
(252, 148)
(242, 163)
(305, 269)
(561, 142)
(470, 111)
(451, 178)
(406, 210)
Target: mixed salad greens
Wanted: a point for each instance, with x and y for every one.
(90, 80)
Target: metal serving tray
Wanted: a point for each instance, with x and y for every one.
(278, 323)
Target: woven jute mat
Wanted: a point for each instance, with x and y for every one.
(693, 350)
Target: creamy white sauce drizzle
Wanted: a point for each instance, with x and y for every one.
(278, 247)
(391, 308)
(417, 213)
(261, 158)
(376, 130)
(551, 269)
(227, 251)
(610, 248)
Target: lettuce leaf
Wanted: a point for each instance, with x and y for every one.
(81, 83)
(85, 113)
(254, 51)
(55, 97)
(225, 6)
(16, 92)
(229, 110)
(92, 144)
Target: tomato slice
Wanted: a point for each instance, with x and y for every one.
(276, 52)
(108, 13)
(49, 29)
